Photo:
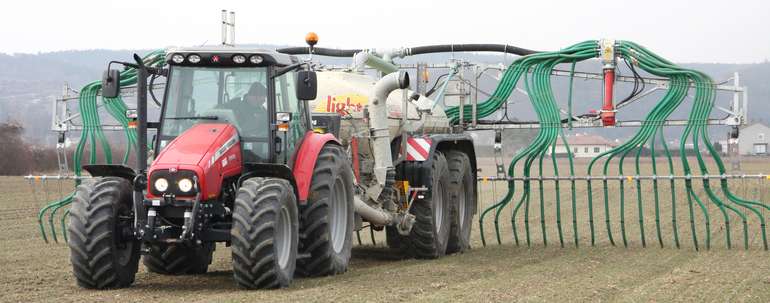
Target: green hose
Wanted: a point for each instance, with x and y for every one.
(92, 136)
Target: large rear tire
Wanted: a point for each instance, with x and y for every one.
(463, 195)
(430, 233)
(103, 253)
(264, 234)
(178, 259)
(328, 218)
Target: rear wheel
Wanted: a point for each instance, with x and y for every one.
(103, 251)
(178, 259)
(430, 232)
(463, 195)
(328, 217)
(264, 233)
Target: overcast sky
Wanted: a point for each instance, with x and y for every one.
(727, 31)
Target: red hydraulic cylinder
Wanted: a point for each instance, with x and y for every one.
(608, 107)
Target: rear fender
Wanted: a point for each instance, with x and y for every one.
(305, 159)
(417, 170)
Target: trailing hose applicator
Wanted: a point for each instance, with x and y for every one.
(607, 113)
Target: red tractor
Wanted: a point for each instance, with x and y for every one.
(237, 161)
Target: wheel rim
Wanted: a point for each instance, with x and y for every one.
(283, 238)
(338, 216)
(438, 206)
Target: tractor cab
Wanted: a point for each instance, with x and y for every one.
(253, 90)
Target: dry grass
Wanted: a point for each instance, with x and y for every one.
(35, 271)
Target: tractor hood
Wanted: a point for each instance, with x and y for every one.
(195, 144)
(210, 150)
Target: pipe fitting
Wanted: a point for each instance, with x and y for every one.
(367, 58)
(377, 216)
(371, 214)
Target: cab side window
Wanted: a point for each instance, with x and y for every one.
(286, 101)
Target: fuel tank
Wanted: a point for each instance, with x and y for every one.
(207, 152)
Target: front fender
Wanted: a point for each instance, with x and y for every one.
(305, 158)
(110, 170)
(268, 170)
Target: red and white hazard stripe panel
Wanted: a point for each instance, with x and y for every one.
(417, 149)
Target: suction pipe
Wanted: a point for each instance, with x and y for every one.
(378, 124)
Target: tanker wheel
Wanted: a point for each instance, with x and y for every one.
(179, 259)
(463, 195)
(264, 233)
(328, 216)
(430, 233)
(103, 252)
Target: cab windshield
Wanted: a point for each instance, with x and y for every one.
(221, 95)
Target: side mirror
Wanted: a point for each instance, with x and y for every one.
(307, 85)
(111, 83)
(282, 120)
(283, 117)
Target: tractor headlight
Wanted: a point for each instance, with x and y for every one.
(177, 58)
(185, 185)
(256, 59)
(161, 184)
(194, 58)
(239, 59)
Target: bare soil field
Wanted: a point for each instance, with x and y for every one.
(35, 271)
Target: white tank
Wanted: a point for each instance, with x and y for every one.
(347, 93)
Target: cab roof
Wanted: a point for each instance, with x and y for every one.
(224, 55)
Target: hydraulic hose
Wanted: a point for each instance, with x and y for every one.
(447, 48)
(320, 51)
(417, 50)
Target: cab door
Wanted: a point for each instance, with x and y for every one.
(286, 104)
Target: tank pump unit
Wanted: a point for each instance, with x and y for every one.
(608, 66)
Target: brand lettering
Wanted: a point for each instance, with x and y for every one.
(334, 105)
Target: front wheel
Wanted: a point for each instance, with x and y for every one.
(264, 234)
(328, 217)
(103, 252)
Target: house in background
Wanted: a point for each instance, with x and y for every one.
(585, 145)
(753, 140)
